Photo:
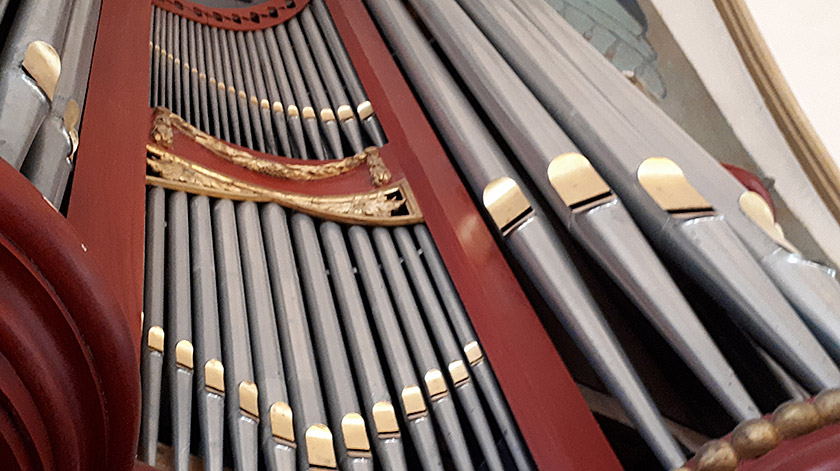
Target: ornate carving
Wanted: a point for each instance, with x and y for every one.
(388, 206)
(167, 122)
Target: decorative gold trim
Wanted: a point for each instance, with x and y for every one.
(277, 107)
(756, 437)
(782, 104)
(344, 112)
(413, 402)
(319, 446)
(264, 104)
(184, 353)
(155, 338)
(248, 394)
(796, 418)
(327, 115)
(505, 202)
(308, 112)
(717, 455)
(355, 433)
(384, 418)
(166, 123)
(214, 375)
(458, 372)
(42, 63)
(473, 352)
(390, 205)
(72, 113)
(282, 423)
(666, 183)
(577, 182)
(293, 111)
(435, 384)
(828, 405)
(757, 209)
(365, 110)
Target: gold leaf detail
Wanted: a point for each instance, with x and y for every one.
(167, 122)
(388, 205)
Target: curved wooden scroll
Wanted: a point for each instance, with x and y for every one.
(68, 367)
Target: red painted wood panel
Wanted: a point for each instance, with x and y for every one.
(107, 201)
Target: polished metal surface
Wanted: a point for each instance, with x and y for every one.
(282, 90)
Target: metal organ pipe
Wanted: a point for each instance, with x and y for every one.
(531, 240)
(684, 226)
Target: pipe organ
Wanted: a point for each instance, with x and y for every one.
(216, 255)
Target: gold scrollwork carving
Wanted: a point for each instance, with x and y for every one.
(166, 123)
(390, 205)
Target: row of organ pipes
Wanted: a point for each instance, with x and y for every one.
(317, 324)
(44, 68)
(589, 143)
(289, 90)
(302, 343)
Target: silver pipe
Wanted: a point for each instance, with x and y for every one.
(251, 100)
(179, 349)
(448, 348)
(183, 50)
(304, 105)
(176, 64)
(316, 88)
(278, 450)
(227, 90)
(345, 65)
(341, 105)
(198, 107)
(378, 404)
(275, 129)
(696, 242)
(528, 236)
(443, 407)
(155, 83)
(295, 337)
(241, 394)
(238, 91)
(50, 159)
(603, 226)
(478, 364)
(207, 105)
(209, 387)
(29, 70)
(169, 101)
(412, 404)
(716, 184)
(151, 368)
(266, 40)
(349, 428)
(216, 90)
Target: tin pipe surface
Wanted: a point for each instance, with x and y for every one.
(240, 388)
(269, 370)
(208, 345)
(387, 443)
(418, 420)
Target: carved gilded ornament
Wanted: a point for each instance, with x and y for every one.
(166, 123)
(389, 205)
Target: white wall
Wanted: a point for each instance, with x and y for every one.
(804, 37)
